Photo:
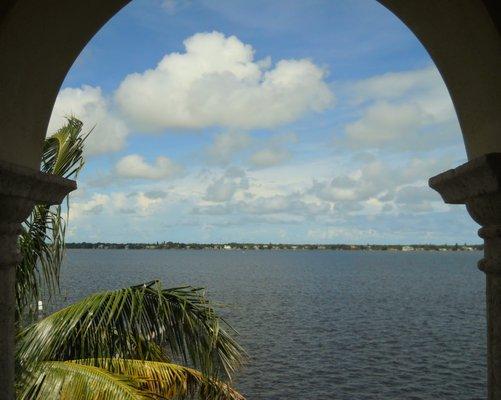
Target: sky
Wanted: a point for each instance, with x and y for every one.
(298, 121)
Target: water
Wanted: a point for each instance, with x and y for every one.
(327, 324)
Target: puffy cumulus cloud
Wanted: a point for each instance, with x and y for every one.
(226, 145)
(134, 166)
(217, 82)
(90, 106)
(224, 188)
(403, 111)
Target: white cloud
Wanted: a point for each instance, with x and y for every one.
(266, 152)
(285, 208)
(90, 106)
(291, 204)
(226, 145)
(147, 205)
(370, 180)
(416, 199)
(134, 166)
(95, 205)
(384, 123)
(377, 180)
(116, 204)
(404, 111)
(274, 152)
(224, 188)
(217, 82)
(393, 85)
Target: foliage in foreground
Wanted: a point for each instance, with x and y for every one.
(120, 344)
(42, 238)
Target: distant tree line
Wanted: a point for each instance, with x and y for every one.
(273, 246)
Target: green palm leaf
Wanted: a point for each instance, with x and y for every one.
(167, 380)
(122, 340)
(60, 380)
(63, 151)
(133, 323)
(42, 239)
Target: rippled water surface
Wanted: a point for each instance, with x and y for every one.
(327, 324)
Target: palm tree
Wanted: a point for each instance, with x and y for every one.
(141, 342)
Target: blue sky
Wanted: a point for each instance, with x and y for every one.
(265, 121)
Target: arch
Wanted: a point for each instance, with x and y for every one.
(39, 41)
(463, 39)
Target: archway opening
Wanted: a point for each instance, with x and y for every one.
(381, 155)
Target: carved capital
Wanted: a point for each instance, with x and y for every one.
(20, 189)
(477, 184)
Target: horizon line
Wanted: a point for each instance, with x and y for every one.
(157, 243)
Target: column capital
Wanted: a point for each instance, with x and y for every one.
(478, 177)
(477, 184)
(20, 189)
(39, 187)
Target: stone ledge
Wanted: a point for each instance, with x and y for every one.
(25, 183)
(478, 177)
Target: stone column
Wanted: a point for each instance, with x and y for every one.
(20, 189)
(477, 184)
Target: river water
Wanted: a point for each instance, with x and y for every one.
(343, 325)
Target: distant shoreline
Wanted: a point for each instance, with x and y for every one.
(272, 246)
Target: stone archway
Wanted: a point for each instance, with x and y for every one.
(39, 42)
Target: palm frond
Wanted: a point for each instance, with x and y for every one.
(42, 239)
(167, 380)
(60, 380)
(63, 151)
(41, 244)
(133, 323)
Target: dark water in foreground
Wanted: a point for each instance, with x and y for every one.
(327, 324)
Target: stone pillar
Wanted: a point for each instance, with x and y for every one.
(477, 184)
(20, 189)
